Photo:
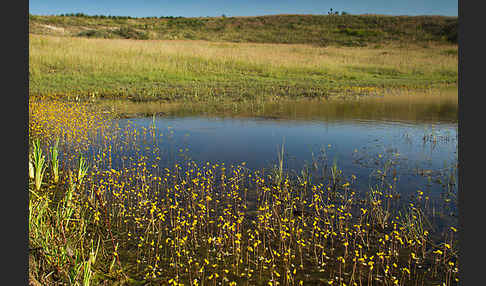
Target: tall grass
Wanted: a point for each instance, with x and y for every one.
(197, 70)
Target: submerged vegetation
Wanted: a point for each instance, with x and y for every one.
(127, 219)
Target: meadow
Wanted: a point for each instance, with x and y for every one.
(194, 71)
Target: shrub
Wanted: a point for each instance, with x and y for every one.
(95, 34)
(360, 32)
(130, 33)
(450, 32)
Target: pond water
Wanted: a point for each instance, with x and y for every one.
(421, 155)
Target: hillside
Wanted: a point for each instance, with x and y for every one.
(320, 30)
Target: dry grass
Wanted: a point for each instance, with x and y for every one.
(135, 54)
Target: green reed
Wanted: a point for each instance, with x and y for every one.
(87, 271)
(82, 169)
(39, 164)
(54, 152)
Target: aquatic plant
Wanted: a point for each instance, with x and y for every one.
(57, 232)
(39, 163)
(87, 271)
(54, 152)
(209, 223)
(31, 168)
(82, 169)
(278, 170)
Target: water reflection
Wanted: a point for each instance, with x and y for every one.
(403, 108)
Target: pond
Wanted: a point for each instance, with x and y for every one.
(337, 178)
(415, 144)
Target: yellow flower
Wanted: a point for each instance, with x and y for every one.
(438, 251)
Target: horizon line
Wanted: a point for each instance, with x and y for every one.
(242, 16)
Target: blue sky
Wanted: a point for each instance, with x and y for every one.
(199, 8)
